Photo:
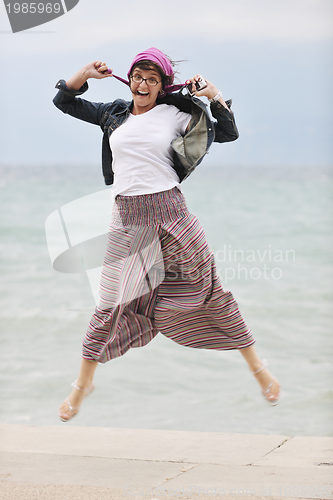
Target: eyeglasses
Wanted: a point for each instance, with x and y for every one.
(152, 82)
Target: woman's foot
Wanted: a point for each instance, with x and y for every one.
(71, 406)
(270, 386)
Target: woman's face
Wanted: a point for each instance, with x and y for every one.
(144, 95)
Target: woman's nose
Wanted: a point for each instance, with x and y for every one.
(143, 83)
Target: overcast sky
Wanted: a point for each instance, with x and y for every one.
(273, 57)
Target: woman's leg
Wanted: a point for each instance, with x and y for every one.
(263, 376)
(84, 381)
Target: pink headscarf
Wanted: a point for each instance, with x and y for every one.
(156, 56)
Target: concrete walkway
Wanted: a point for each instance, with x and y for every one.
(69, 463)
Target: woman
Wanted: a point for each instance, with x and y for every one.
(159, 274)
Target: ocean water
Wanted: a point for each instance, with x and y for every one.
(271, 232)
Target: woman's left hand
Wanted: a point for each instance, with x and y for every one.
(210, 91)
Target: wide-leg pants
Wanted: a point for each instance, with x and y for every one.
(159, 275)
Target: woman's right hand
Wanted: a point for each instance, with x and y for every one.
(95, 69)
(98, 69)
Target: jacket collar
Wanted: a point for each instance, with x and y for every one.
(182, 102)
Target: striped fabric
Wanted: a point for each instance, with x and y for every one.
(159, 275)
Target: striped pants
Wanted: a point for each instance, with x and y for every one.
(159, 275)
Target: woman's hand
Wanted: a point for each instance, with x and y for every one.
(98, 69)
(95, 69)
(210, 91)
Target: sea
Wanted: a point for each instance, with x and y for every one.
(271, 232)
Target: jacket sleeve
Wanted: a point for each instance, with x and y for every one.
(225, 127)
(67, 101)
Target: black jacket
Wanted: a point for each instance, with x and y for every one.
(189, 149)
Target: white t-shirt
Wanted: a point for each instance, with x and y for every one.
(142, 152)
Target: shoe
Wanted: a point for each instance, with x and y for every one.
(265, 393)
(74, 410)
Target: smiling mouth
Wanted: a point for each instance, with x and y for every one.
(139, 92)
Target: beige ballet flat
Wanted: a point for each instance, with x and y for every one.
(265, 393)
(74, 410)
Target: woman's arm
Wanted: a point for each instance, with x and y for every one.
(66, 99)
(225, 127)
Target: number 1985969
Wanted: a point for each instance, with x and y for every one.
(33, 8)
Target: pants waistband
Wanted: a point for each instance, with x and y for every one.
(149, 209)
